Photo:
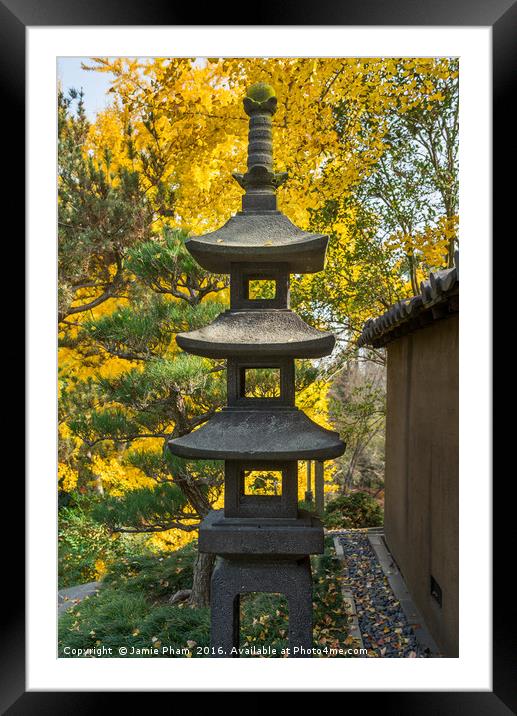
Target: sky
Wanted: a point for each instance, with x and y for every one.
(94, 84)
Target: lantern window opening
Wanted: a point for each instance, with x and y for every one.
(260, 383)
(256, 286)
(261, 489)
(263, 483)
(259, 288)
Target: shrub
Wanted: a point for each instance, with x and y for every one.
(355, 510)
(87, 548)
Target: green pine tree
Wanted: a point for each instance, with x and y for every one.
(101, 213)
(165, 393)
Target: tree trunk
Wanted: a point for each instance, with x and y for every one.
(413, 274)
(451, 251)
(203, 566)
(197, 498)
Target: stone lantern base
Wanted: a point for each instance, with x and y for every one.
(240, 575)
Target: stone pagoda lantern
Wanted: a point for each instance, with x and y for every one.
(262, 542)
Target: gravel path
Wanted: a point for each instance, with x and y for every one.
(384, 627)
(70, 596)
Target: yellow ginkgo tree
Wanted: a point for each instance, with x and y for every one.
(370, 146)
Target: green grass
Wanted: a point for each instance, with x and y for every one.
(132, 612)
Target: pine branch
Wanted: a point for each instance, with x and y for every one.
(172, 525)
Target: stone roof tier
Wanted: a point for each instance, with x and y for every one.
(247, 434)
(259, 333)
(258, 237)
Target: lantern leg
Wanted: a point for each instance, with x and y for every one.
(224, 615)
(299, 598)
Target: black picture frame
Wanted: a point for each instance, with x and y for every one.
(501, 16)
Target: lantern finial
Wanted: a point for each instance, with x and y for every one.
(260, 181)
